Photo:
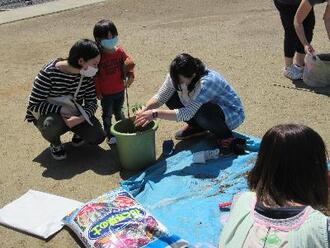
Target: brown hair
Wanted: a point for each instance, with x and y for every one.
(291, 166)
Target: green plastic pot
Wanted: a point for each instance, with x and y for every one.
(136, 147)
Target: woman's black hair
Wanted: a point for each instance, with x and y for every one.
(291, 166)
(85, 49)
(186, 65)
(102, 29)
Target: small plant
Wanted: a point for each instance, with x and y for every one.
(136, 107)
(131, 128)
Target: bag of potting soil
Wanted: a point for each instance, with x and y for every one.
(117, 220)
(317, 70)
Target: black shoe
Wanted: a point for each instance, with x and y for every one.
(231, 145)
(189, 132)
(77, 141)
(238, 146)
(57, 152)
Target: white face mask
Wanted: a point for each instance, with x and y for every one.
(89, 72)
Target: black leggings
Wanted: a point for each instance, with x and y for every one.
(52, 127)
(292, 43)
(208, 117)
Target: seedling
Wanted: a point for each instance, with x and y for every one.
(136, 107)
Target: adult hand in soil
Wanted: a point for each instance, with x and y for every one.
(73, 121)
(143, 118)
(140, 111)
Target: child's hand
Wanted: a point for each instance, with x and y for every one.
(129, 81)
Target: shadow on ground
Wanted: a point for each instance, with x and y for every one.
(79, 160)
(300, 85)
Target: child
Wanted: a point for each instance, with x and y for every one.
(115, 70)
(288, 182)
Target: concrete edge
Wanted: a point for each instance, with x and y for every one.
(38, 10)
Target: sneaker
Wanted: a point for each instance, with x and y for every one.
(111, 141)
(231, 146)
(189, 132)
(77, 140)
(293, 72)
(57, 152)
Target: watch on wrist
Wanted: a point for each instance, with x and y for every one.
(154, 114)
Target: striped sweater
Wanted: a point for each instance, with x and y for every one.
(51, 82)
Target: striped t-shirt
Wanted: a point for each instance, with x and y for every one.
(51, 82)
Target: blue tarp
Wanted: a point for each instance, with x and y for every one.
(185, 196)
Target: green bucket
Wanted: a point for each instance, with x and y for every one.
(136, 146)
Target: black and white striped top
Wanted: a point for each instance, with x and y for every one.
(51, 82)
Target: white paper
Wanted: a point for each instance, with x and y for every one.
(37, 213)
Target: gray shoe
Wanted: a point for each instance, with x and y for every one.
(293, 72)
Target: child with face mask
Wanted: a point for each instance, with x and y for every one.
(115, 72)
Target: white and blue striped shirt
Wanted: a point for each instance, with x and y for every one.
(213, 88)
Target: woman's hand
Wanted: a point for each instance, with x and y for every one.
(65, 112)
(73, 121)
(309, 49)
(143, 117)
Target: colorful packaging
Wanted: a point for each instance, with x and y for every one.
(117, 220)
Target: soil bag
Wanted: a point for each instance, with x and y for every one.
(117, 220)
(317, 70)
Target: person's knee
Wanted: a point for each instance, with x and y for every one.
(204, 111)
(201, 117)
(52, 125)
(208, 115)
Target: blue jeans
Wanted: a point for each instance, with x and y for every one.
(208, 117)
(112, 104)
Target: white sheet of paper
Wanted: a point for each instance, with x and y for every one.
(37, 213)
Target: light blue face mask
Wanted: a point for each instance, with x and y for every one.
(109, 43)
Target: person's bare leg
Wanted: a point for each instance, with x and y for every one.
(288, 61)
(300, 59)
